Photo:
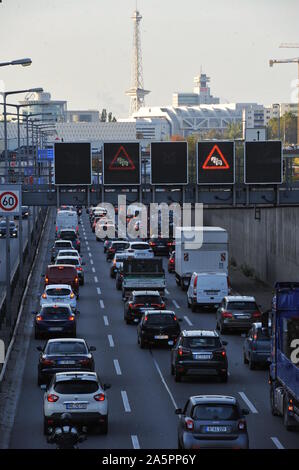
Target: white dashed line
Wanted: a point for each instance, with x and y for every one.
(93, 270)
(102, 304)
(117, 367)
(88, 249)
(125, 401)
(175, 303)
(188, 321)
(165, 384)
(96, 279)
(135, 442)
(87, 244)
(99, 290)
(111, 342)
(277, 442)
(91, 261)
(90, 254)
(248, 402)
(106, 321)
(166, 291)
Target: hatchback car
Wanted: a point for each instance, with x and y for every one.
(197, 353)
(57, 319)
(74, 261)
(142, 249)
(63, 274)
(61, 293)
(212, 422)
(13, 229)
(257, 346)
(237, 312)
(61, 355)
(116, 247)
(60, 245)
(71, 235)
(158, 327)
(161, 245)
(139, 301)
(79, 393)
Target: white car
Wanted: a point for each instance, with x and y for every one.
(59, 293)
(141, 250)
(69, 252)
(79, 393)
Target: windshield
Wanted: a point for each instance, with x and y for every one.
(72, 261)
(148, 299)
(162, 319)
(120, 246)
(58, 292)
(202, 342)
(49, 313)
(76, 387)
(68, 235)
(63, 244)
(139, 246)
(216, 412)
(65, 347)
(242, 305)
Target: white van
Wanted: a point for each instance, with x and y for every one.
(207, 289)
(67, 220)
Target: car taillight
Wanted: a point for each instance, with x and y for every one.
(170, 243)
(52, 398)
(47, 362)
(72, 295)
(183, 352)
(85, 362)
(99, 397)
(256, 314)
(76, 280)
(79, 268)
(46, 280)
(71, 318)
(291, 406)
(56, 228)
(223, 353)
(44, 296)
(39, 318)
(171, 261)
(242, 425)
(226, 314)
(77, 229)
(152, 243)
(195, 285)
(189, 423)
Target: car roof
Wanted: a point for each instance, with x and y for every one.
(76, 375)
(145, 292)
(159, 312)
(67, 257)
(56, 304)
(223, 399)
(62, 241)
(58, 286)
(66, 340)
(210, 273)
(239, 298)
(139, 243)
(52, 266)
(203, 333)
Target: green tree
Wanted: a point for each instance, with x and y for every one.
(233, 131)
(288, 128)
(103, 115)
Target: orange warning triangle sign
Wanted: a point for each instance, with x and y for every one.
(122, 161)
(215, 160)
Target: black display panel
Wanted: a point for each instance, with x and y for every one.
(121, 163)
(72, 163)
(215, 162)
(263, 162)
(169, 163)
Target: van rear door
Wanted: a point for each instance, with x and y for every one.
(211, 288)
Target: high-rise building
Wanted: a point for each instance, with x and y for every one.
(42, 103)
(201, 94)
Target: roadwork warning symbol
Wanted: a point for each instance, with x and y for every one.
(215, 160)
(122, 161)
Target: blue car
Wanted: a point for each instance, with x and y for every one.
(257, 346)
(55, 320)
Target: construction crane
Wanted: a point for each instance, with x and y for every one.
(290, 61)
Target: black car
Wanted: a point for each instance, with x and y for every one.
(158, 327)
(63, 355)
(67, 234)
(116, 246)
(199, 352)
(54, 319)
(161, 246)
(60, 245)
(25, 212)
(13, 230)
(139, 301)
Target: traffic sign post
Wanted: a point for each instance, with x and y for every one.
(215, 162)
(121, 164)
(169, 163)
(263, 162)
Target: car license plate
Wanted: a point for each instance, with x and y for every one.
(211, 292)
(58, 299)
(242, 317)
(55, 328)
(76, 406)
(217, 429)
(161, 337)
(202, 356)
(66, 362)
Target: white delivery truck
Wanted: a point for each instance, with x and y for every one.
(67, 220)
(199, 249)
(207, 290)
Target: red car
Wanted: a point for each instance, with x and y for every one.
(171, 262)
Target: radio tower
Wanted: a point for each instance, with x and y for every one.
(137, 92)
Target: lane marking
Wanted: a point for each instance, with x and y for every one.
(99, 290)
(102, 304)
(91, 261)
(111, 342)
(188, 321)
(165, 384)
(96, 279)
(90, 254)
(248, 402)
(175, 303)
(167, 291)
(106, 321)
(125, 401)
(135, 442)
(88, 249)
(87, 243)
(277, 442)
(117, 367)
(93, 270)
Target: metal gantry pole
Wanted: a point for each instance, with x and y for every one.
(7, 255)
(20, 231)
(30, 208)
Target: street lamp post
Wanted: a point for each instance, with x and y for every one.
(24, 62)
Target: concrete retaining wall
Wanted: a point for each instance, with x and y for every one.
(270, 246)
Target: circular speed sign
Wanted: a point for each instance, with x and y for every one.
(8, 201)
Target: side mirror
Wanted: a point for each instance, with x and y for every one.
(92, 348)
(245, 411)
(43, 387)
(106, 386)
(225, 343)
(179, 411)
(39, 348)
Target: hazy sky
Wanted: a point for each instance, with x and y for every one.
(82, 49)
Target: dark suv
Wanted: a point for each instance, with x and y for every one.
(69, 234)
(161, 246)
(158, 327)
(139, 301)
(199, 352)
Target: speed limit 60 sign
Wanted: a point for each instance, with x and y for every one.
(10, 199)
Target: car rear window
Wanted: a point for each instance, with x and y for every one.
(216, 412)
(160, 320)
(65, 347)
(139, 246)
(147, 299)
(63, 244)
(62, 271)
(120, 245)
(74, 262)
(68, 235)
(242, 305)
(76, 387)
(50, 312)
(263, 334)
(57, 292)
(202, 342)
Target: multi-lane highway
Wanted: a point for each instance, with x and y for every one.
(143, 394)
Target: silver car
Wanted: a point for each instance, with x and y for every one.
(237, 312)
(212, 422)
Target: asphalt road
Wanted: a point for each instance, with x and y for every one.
(143, 394)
